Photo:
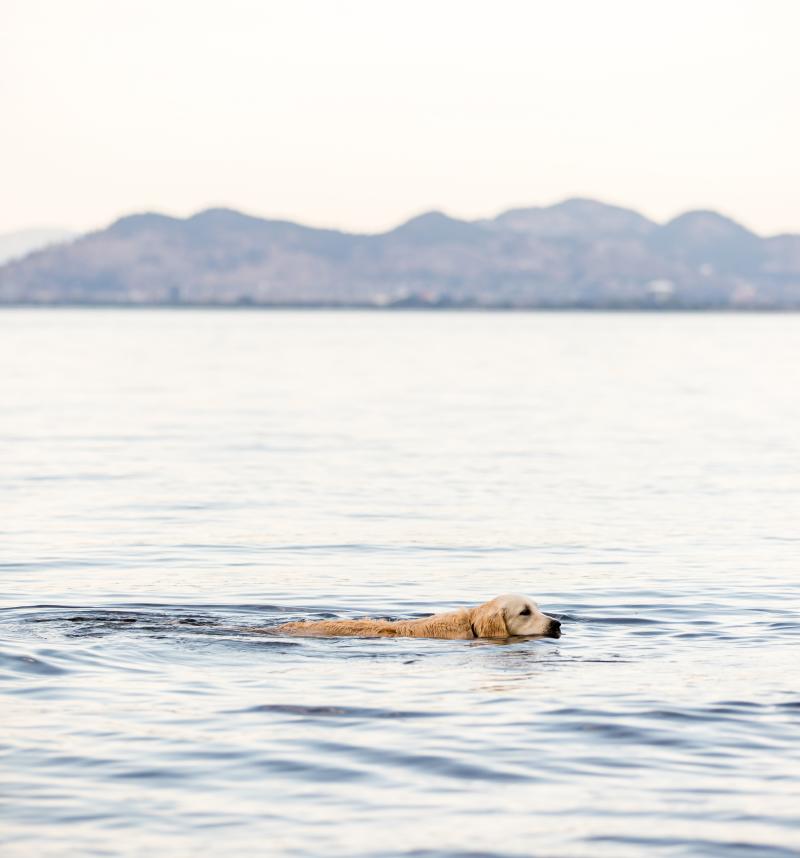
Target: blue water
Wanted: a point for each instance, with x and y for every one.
(171, 481)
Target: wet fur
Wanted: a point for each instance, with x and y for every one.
(485, 621)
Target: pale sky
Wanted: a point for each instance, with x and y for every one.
(358, 114)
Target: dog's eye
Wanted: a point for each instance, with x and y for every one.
(525, 612)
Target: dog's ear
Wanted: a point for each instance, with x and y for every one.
(488, 621)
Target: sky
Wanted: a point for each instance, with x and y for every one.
(358, 114)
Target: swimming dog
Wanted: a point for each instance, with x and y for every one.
(506, 616)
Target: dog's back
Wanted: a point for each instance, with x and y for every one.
(454, 625)
(339, 628)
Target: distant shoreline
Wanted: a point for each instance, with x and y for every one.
(578, 255)
(394, 308)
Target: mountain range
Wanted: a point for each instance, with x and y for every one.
(577, 253)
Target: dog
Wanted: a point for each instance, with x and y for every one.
(506, 616)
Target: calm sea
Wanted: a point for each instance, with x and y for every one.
(171, 481)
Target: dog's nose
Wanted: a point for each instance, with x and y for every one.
(556, 624)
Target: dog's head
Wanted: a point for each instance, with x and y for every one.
(512, 615)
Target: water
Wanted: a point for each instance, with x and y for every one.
(174, 480)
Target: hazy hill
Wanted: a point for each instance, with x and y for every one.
(16, 244)
(578, 253)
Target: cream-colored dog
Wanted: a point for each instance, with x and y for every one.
(503, 617)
